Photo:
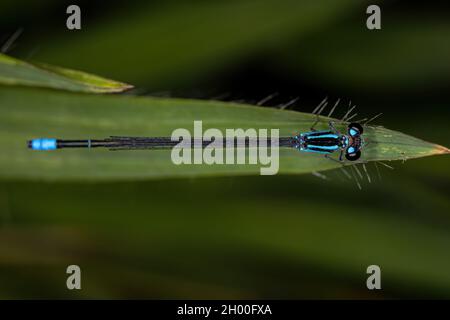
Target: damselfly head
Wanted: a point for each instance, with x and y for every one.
(353, 151)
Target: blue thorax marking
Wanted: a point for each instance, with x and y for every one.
(316, 151)
(320, 135)
(335, 147)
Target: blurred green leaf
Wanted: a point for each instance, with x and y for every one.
(182, 41)
(235, 237)
(16, 72)
(34, 113)
(399, 56)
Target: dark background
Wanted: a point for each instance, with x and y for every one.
(246, 237)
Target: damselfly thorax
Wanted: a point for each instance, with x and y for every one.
(329, 141)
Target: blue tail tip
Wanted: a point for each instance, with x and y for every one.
(42, 144)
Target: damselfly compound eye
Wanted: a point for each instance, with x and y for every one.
(355, 129)
(354, 155)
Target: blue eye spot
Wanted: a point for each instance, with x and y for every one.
(353, 132)
(351, 150)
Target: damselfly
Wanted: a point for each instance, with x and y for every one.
(325, 142)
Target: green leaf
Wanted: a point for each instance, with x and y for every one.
(16, 72)
(33, 113)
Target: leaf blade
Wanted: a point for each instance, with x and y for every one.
(19, 73)
(34, 113)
